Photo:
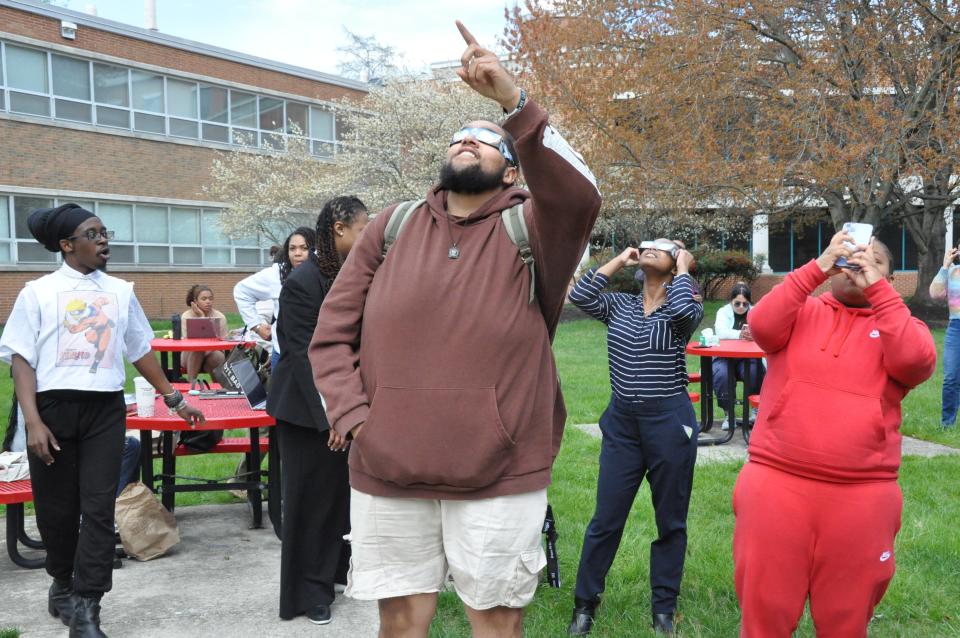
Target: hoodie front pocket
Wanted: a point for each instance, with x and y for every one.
(827, 426)
(450, 437)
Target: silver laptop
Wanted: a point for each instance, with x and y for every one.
(250, 384)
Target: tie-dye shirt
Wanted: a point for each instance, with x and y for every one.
(947, 285)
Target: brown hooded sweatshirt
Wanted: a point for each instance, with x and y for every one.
(445, 361)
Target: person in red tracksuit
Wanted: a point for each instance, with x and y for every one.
(817, 506)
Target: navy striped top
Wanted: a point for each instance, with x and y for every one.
(646, 354)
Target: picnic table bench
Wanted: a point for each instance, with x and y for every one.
(14, 494)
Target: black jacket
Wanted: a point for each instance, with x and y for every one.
(293, 397)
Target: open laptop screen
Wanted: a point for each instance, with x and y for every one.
(250, 383)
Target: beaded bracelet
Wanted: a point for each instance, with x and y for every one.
(174, 400)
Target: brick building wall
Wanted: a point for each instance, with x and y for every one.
(904, 282)
(160, 293)
(43, 156)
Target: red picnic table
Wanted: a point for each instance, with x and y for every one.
(727, 349)
(221, 414)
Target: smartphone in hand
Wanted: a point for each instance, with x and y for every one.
(861, 234)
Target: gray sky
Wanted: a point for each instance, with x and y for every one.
(307, 32)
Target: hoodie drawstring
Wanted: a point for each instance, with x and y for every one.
(833, 328)
(838, 313)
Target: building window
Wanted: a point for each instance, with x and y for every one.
(38, 82)
(144, 234)
(792, 246)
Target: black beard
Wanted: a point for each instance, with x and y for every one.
(471, 180)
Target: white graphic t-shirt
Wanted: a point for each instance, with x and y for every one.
(75, 329)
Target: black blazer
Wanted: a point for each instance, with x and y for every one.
(293, 397)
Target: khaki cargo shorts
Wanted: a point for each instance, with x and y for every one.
(490, 547)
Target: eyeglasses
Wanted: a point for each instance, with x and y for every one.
(741, 304)
(485, 136)
(92, 234)
(664, 246)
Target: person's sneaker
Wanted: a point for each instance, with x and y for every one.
(319, 615)
(726, 424)
(948, 426)
(339, 588)
(753, 415)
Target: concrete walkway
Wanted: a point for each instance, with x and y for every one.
(736, 449)
(223, 579)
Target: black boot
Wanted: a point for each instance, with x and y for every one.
(663, 624)
(583, 614)
(61, 600)
(86, 619)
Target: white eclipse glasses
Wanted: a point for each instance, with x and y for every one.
(484, 136)
(664, 246)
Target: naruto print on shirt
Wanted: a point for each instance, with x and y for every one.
(86, 334)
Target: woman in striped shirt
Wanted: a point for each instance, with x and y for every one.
(946, 285)
(649, 428)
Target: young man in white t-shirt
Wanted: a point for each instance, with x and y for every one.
(66, 339)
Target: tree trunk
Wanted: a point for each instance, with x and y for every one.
(930, 238)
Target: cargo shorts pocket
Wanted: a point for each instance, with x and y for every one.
(529, 566)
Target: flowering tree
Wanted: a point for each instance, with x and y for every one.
(784, 107)
(391, 148)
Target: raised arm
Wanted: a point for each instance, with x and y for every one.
(564, 198)
(587, 294)
(938, 287)
(772, 319)
(684, 312)
(909, 354)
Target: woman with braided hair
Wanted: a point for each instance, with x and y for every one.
(316, 492)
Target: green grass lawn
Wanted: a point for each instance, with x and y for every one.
(922, 600)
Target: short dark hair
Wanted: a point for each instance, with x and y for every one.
(886, 249)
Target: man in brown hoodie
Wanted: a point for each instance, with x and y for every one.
(433, 359)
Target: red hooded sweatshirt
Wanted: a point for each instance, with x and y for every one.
(830, 403)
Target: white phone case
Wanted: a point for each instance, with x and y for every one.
(861, 234)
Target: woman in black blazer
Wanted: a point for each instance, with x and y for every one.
(316, 492)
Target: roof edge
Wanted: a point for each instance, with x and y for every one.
(165, 39)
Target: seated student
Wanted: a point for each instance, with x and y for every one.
(817, 506)
(200, 305)
(731, 323)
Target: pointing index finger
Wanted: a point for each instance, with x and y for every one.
(467, 36)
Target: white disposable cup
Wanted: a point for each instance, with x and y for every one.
(145, 396)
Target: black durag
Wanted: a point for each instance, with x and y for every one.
(49, 225)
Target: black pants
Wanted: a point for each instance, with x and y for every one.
(316, 515)
(82, 480)
(642, 439)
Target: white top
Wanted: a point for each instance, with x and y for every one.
(75, 330)
(260, 286)
(723, 325)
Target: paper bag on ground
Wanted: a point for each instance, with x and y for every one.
(147, 529)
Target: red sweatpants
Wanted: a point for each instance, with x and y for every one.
(797, 537)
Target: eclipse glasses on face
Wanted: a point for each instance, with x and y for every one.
(664, 246)
(484, 136)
